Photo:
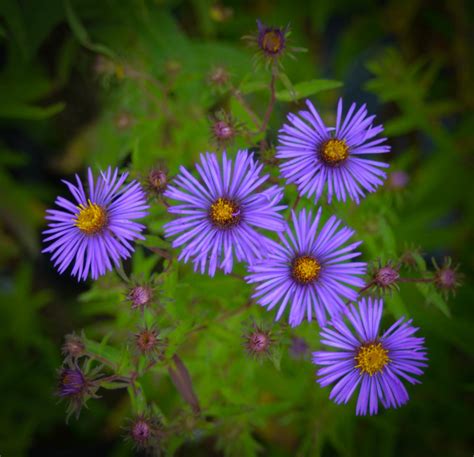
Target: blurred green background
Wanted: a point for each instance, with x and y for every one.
(126, 83)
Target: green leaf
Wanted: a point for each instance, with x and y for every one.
(307, 88)
(23, 111)
(81, 33)
(253, 86)
(433, 297)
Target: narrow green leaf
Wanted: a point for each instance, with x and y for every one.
(307, 88)
(81, 33)
(23, 111)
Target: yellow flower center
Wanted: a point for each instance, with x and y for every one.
(333, 152)
(272, 42)
(371, 358)
(224, 213)
(305, 269)
(91, 218)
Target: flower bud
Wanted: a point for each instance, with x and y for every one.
(447, 278)
(258, 341)
(148, 343)
(140, 296)
(219, 77)
(385, 278)
(299, 347)
(157, 181)
(398, 180)
(76, 386)
(73, 347)
(145, 432)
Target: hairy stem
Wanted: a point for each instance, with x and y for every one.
(271, 104)
(239, 97)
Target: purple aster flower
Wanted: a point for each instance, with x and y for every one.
(76, 386)
(72, 382)
(374, 362)
(97, 228)
(315, 156)
(219, 214)
(309, 269)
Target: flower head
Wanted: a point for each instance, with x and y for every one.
(156, 181)
(258, 341)
(219, 214)
(310, 269)
(299, 348)
(76, 386)
(224, 128)
(95, 231)
(271, 40)
(272, 43)
(363, 358)
(315, 156)
(145, 431)
(148, 343)
(73, 347)
(219, 77)
(447, 277)
(398, 180)
(140, 296)
(385, 277)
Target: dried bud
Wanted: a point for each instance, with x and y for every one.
(140, 296)
(219, 77)
(447, 278)
(145, 432)
(77, 387)
(398, 180)
(148, 343)
(224, 128)
(258, 341)
(408, 258)
(123, 121)
(157, 181)
(73, 347)
(385, 277)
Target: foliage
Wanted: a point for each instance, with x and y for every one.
(128, 84)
